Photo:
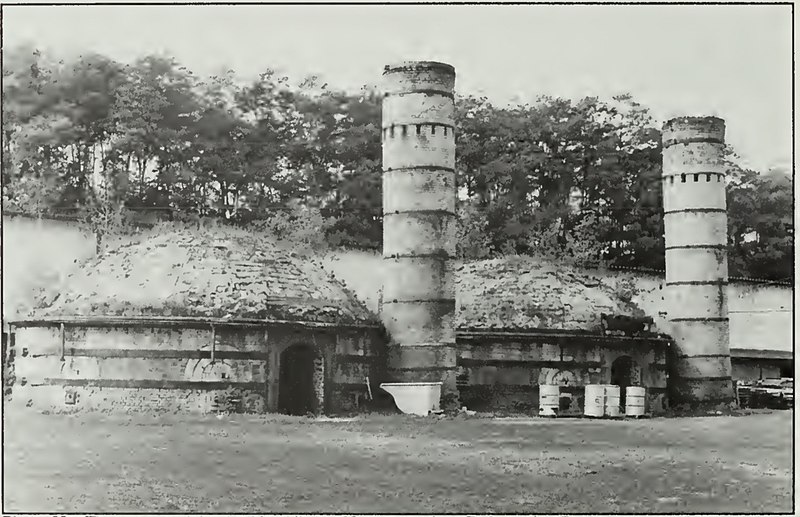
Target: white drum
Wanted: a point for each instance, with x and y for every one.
(612, 400)
(634, 401)
(548, 399)
(594, 400)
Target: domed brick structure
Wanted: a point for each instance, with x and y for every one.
(183, 321)
(523, 322)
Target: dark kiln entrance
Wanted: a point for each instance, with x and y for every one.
(622, 375)
(296, 382)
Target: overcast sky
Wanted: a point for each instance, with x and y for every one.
(729, 61)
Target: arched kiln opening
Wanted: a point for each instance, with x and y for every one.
(300, 382)
(624, 374)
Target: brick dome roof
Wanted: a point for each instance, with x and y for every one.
(526, 293)
(189, 272)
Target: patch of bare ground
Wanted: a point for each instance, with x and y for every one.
(97, 463)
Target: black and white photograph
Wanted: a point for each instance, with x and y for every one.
(398, 258)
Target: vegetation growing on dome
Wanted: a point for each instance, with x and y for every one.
(213, 271)
(525, 293)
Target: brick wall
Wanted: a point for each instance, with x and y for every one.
(498, 373)
(166, 369)
(358, 356)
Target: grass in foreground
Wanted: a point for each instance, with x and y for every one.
(99, 463)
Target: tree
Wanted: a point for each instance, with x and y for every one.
(106, 218)
(519, 166)
(760, 225)
(356, 202)
(578, 246)
(153, 115)
(59, 122)
(577, 180)
(276, 132)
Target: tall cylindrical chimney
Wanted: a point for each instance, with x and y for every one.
(419, 203)
(696, 239)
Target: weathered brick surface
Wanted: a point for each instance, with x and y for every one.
(526, 293)
(319, 380)
(695, 219)
(124, 400)
(419, 189)
(239, 339)
(351, 373)
(146, 338)
(418, 134)
(499, 398)
(357, 343)
(526, 399)
(42, 378)
(510, 375)
(760, 314)
(187, 272)
(506, 385)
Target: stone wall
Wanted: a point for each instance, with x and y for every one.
(174, 369)
(504, 372)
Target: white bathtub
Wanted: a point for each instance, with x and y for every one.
(415, 398)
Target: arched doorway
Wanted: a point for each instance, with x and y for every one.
(623, 375)
(296, 394)
(564, 379)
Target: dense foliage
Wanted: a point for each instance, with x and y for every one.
(108, 142)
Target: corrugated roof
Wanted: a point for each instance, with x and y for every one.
(189, 272)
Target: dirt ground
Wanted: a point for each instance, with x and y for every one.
(100, 463)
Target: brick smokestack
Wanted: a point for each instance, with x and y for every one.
(419, 203)
(696, 239)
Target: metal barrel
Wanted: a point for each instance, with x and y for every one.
(634, 401)
(612, 401)
(548, 399)
(594, 400)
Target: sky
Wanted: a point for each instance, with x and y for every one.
(730, 61)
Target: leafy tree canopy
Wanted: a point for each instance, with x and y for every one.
(574, 180)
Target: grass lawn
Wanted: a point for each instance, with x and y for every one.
(100, 463)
